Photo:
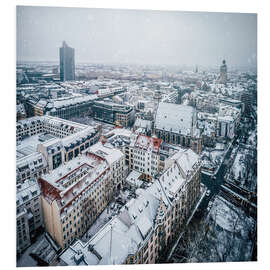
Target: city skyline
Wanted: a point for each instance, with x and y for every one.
(137, 37)
(147, 152)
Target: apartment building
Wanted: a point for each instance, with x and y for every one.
(228, 121)
(142, 154)
(73, 196)
(44, 143)
(147, 224)
(116, 161)
(64, 107)
(29, 215)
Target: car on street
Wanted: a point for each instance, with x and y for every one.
(208, 192)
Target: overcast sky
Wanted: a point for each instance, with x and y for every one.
(131, 36)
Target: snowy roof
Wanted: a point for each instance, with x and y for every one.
(27, 191)
(69, 180)
(111, 154)
(120, 236)
(175, 118)
(133, 178)
(142, 123)
(147, 143)
(228, 113)
(119, 132)
(63, 102)
(20, 109)
(187, 160)
(35, 160)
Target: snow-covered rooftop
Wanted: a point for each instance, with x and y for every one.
(147, 143)
(175, 118)
(27, 191)
(111, 154)
(68, 181)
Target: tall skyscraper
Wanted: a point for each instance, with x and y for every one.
(223, 72)
(67, 63)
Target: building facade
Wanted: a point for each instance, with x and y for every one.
(223, 72)
(113, 113)
(116, 161)
(142, 155)
(29, 215)
(73, 196)
(67, 63)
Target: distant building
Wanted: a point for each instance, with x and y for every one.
(223, 72)
(67, 63)
(228, 121)
(246, 98)
(65, 108)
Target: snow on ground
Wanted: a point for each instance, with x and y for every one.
(228, 216)
(252, 139)
(232, 231)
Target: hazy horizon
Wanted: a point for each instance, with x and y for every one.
(142, 37)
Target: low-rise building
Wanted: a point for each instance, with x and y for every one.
(65, 107)
(228, 121)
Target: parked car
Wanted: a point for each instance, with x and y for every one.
(208, 192)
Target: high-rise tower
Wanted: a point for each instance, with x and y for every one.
(223, 72)
(67, 63)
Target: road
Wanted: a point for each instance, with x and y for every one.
(213, 184)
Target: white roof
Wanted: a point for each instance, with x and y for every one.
(28, 190)
(111, 154)
(175, 118)
(186, 159)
